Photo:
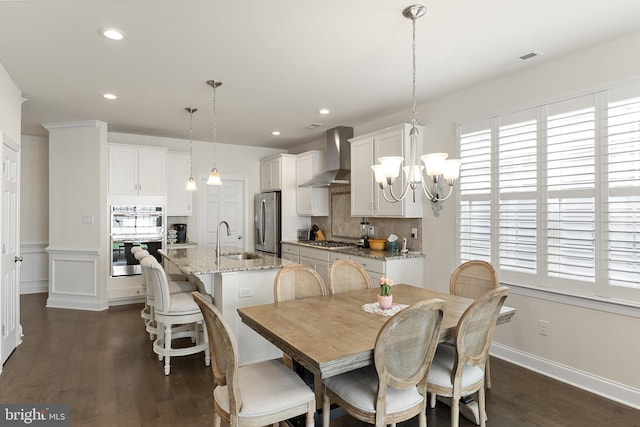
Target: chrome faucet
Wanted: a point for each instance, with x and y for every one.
(218, 238)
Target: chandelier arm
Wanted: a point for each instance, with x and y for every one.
(405, 190)
(384, 194)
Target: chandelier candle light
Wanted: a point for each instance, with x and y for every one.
(436, 165)
(191, 183)
(214, 175)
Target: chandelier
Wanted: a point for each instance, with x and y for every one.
(214, 175)
(191, 183)
(436, 165)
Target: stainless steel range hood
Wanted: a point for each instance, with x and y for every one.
(337, 159)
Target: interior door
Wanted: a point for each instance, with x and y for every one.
(224, 202)
(9, 294)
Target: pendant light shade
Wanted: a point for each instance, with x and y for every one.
(214, 175)
(191, 183)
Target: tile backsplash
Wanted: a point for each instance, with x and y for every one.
(340, 225)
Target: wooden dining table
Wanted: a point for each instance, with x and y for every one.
(332, 334)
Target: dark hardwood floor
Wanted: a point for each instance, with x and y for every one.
(102, 365)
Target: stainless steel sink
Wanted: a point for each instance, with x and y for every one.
(242, 256)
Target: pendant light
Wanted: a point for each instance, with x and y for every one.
(214, 175)
(436, 165)
(191, 183)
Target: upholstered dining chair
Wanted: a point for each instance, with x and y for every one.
(473, 279)
(394, 389)
(458, 371)
(176, 315)
(296, 281)
(347, 275)
(257, 394)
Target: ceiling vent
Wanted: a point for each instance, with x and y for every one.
(530, 55)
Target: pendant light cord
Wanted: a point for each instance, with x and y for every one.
(414, 120)
(214, 124)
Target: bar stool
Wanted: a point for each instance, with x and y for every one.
(177, 316)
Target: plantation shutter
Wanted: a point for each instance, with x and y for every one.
(474, 211)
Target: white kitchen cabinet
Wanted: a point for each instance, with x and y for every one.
(290, 252)
(276, 170)
(318, 259)
(311, 201)
(136, 170)
(366, 197)
(179, 200)
(400, 270)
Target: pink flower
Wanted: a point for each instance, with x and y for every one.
(385, 286)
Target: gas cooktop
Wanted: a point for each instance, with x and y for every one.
(329, 244)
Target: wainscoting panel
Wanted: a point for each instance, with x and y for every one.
(34, 269)
(75, 280)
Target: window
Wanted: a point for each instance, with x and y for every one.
(551, 195)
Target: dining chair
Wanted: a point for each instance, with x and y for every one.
(347, 275)
(177, 316)
(296, 281)
(458, 371)
(473, 279)
(394, 389)
(256, 394)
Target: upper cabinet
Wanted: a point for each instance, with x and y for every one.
(271, 173)
(366, 197)
(179, 200)
(136, 170)
(311, 201)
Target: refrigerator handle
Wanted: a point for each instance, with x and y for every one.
(263, 221)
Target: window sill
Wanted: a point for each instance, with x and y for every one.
(624, 308)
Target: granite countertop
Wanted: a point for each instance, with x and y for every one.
(363, 252)
(202, 260)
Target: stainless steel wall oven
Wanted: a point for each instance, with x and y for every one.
(134, 226)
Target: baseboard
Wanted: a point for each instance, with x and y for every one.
(35, 287)
(126, 301)
(76, 304)
(608, 389)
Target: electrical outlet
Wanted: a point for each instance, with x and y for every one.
(372, 230)
(543, 327)
(414, 233)
(245, 293)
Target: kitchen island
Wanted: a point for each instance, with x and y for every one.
(233, 283)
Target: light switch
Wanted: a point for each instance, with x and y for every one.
(88, 219)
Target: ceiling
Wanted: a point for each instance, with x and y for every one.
(279, 61)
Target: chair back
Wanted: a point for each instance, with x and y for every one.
(140, 253)
(297, 281)
(473, 279)
(224, 351)
(476, 326)
(407, 342)
(157, 279)
(347, 275)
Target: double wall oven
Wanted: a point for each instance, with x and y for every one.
(134, 226)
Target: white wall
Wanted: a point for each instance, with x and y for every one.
(10, 102)
(588, 346)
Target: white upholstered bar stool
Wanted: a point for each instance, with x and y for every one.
(177, 316)
(174, 287)
(258, 394)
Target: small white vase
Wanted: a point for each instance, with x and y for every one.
(385, 302)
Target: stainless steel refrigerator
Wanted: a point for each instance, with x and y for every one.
(267, 222)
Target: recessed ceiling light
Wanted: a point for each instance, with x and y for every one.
(275, 133)
(324, 111)
(109, 96)
(111, 33)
